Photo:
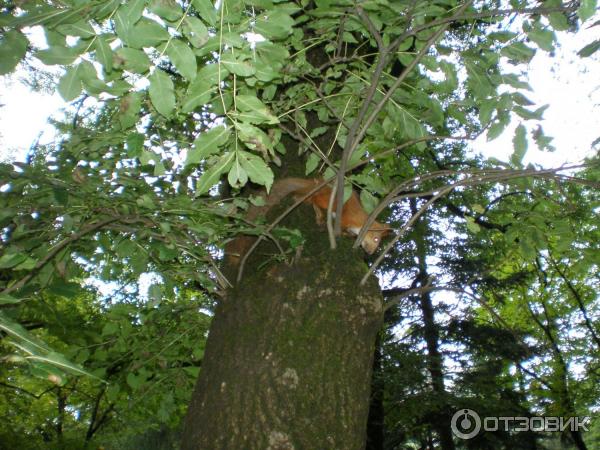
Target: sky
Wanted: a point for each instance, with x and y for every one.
(23, 116)
(569, 84)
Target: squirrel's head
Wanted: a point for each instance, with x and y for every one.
(373, 238)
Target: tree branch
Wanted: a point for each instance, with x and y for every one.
(56, 250)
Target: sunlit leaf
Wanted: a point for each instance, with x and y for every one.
(69, 86)
(587, 9)
(162, 92)
(208, 143)
(237, 66)
(207, 10)
(183, 58)
(13, 46)
(258, 171)
(57, 55)
(167, 9)
(520, 145)
(212, 175)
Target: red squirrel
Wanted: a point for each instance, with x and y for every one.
(353, 214)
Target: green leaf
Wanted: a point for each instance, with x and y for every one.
(368, 200)
(69, 86)
(13, 47)
(273, 54)
(9, 260)
(104, 53)
(542, 37)
(28, 264)
(257, 169)
(162, 92)
(132, 60)
(212, 175)
(486, 108)
(199, 93)
(252, 110)
(208, 143)
(94, 86)
(6, 299)
(542, 141)
(496, 128)
(558, 21)
(146, 157)
(167, 252)
(502, 36)
(110, 328)
(587, 8)
(133, 10)
(155, 293)
(135, 144)
(129, 110)
(213, 73)
(57, 55)
(589, 49)
(520, 146)
(237, 175)
(147, 33)
(253, 137)
(123, 24)
(312, 162)
(207, 11)
(135, 382)
(471, 225)
(159, 169)
(38, 15)
(195, 31)
(16, 330)
(139, 262)
(183, 58)
(167, 9)
(232, 40)
(531, 115)
(274, 25)
(527, 249)
(105, 9)
(266, 72)
(60, 361)
(514, 81)
(237, 65)
(65, 289)
(519, 52)
(81, 28)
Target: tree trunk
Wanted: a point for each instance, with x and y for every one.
(375, 423)
(435, 362)
(289, 356)
(441, 420)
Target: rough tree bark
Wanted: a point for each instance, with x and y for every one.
(289, 356)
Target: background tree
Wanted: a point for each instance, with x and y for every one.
(180, 105)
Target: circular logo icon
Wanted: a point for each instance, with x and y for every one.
(465, 424)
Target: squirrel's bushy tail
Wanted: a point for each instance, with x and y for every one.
(281, 189)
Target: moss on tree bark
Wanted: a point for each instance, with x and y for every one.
(289, 357)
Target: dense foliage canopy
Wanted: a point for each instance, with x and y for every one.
(112, 236)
